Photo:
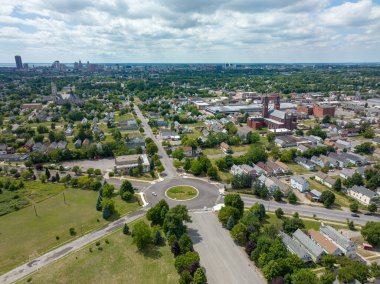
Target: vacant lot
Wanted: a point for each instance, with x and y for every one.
(117, 262)
(25, 235)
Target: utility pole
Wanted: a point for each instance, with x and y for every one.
(64, 197)
(35, 210)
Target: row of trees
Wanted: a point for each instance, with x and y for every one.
(172, 222)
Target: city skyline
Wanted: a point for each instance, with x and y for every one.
(236, 31)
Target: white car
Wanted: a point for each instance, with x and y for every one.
(154, 194)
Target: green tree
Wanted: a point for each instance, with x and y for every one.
(354, 206)
(279, 213)
(125, 229)
(371, 233)
(230, 223)
(142, 235)
(175, 219)
(304, 276)
(278, 195)
(200, 276)
(186, 278)
(235, 201)
(255, 137)
(328, 261)
(327, 198)
(152, 148)
(372, 207)
(187, 164)
(108, 206)
(292, 198)
(327, 278)
(337, 185)
(185, 243)
(126, 186)
(157, 238)
(157, 213)
(239, 233)
(290, 225)
(184, 262)
(178, 154)
(226, 212)
(346, 275)
(212, 172)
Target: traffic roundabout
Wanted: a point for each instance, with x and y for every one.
(192, 192)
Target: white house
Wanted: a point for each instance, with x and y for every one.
(299, 183)
(362, 194)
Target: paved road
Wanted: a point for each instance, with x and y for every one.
(164, 158)
(32, 266)
(208, 192)
(223, 261)
(309, 211)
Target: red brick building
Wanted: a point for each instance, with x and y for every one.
(305, 109)
(322, 111)
(274, 118)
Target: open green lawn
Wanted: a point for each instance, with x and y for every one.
(123, 117)
(212, 151)
(117, 262)
(182, 192)
(195, 134)
(297, 169)
(224, 176)
(25, 235)
(240, 148)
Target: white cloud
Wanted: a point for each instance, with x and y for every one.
(189, 31)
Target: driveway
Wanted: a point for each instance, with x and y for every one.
(223, 260)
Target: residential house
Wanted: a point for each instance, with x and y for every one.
(78, 143)
(225, 148)
(169, 135)
(315, 251)
(299, 183)
(86, 142)
(285, 169)
(191, 152)
(14, 157)
(295, 247)
(305, 163)
(242, 169)
(69, 131)
(339, 160)
(314, 195)
(328, 246)
(347, 246)
(61, 145)
(318, 161)
(286, 141)
(362, 194)
(324, 179)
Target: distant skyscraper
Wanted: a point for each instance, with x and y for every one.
(18, 62)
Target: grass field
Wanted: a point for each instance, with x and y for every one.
(212, 151)
(117, 262)
(297, 169)
(182, 192)
(25, 235)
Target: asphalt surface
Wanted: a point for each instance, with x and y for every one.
(309, 211)
(170, 171)
(208, 193)
(222, 259)
(55, 254)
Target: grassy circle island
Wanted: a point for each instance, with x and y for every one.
(182, 192)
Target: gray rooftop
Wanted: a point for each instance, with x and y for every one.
(364, 191)
(308, 243)
(293, 246)
(336, 236)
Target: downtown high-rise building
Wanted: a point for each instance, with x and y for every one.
(18, 62)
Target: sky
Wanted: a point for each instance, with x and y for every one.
(190, 31)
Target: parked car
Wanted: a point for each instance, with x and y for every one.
(355, 215)
(154, 194)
